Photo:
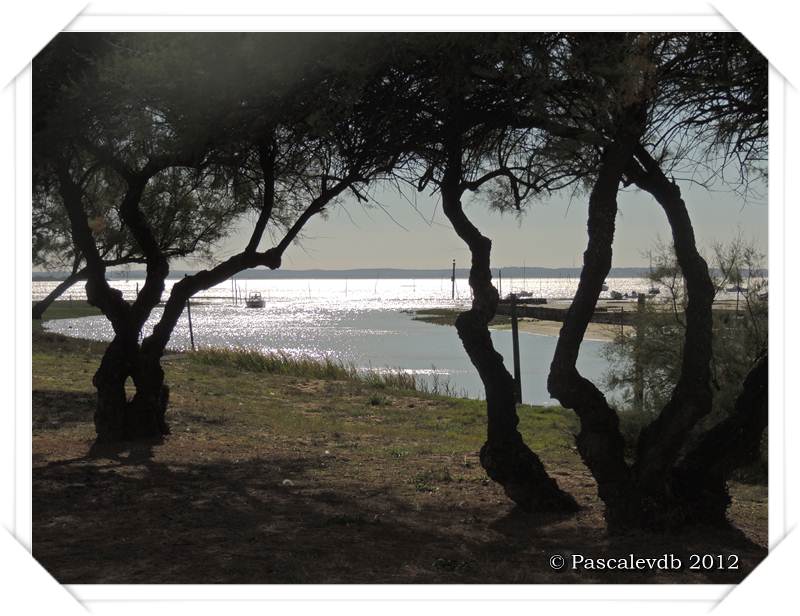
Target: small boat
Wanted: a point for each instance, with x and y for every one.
(653, 291)
(736, 289)
(524, 294)
(254, 300)
(604, 287)
(616, 295)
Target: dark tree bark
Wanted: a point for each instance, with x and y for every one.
(42, 305)
(599, 441)
(109, 380)
(144, 414)
(700, 477)
(660, 442)
(505, 456)
(117, 419)
(657, 492)
(149, 404)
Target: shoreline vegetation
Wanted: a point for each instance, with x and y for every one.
(279, 471)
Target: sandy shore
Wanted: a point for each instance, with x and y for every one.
(599, 332)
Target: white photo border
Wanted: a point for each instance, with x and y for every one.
(701, 596)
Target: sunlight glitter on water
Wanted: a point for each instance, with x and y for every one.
(365, 323)
(361, 293)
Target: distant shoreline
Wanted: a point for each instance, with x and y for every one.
(385, 273)
(369, 273)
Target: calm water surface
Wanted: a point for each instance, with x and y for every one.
(367, 323)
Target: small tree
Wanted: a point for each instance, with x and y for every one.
(653, 351)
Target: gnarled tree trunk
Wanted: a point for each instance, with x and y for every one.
(700, 477)
(505, 456)
(660, 443)
(109, 380)
(659, 491)
(149, 405)
(599, 441)
(116, 418)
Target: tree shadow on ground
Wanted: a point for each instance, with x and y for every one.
(57, 409)
(121, 516)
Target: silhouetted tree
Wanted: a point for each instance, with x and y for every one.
(656, 490)
(286, 138)
(462, 92)
(175, 201)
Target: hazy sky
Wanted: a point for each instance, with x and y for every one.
(551, 233)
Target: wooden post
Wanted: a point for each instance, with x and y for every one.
(638, 370)
(189, 314)
(515, 347)
(453, 281)
(500, 282)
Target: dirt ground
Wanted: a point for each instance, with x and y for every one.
(279, 479)
(195, 511)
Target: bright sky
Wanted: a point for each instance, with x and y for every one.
(550, 233)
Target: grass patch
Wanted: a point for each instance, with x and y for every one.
(274, 363)
(389, 379)
(69, 309)
(377, 400)
(429, 480)
(280, 363)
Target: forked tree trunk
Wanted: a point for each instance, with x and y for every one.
(118, 418)
(147, 410)
(109, 381)
(505, 456)
(115, 418)
(660, 443)
(655, 493)
(599, 441)
(658, 492)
